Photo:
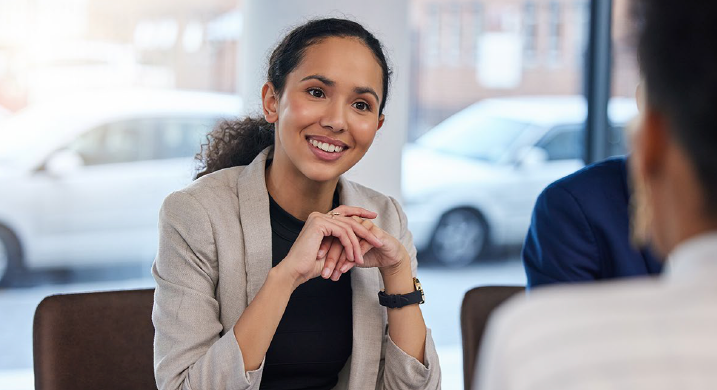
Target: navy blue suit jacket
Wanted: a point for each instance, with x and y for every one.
(580, 229)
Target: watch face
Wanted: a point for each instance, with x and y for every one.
(417, 285)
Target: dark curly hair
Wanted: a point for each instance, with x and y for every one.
(238, 142)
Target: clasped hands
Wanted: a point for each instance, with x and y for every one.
(331, 244)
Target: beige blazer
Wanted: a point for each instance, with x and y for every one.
(214, 256)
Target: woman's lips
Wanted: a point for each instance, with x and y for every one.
(317, 147)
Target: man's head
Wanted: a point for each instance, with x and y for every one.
(675, 147)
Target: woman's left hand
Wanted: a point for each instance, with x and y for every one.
(389, 256)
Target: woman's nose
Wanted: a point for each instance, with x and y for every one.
(334, 117)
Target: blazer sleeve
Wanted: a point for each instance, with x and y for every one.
(399, 370)
(190, 351)
(560, 246)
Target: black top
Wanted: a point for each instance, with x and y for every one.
(314, 338)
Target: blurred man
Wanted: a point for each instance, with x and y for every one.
(580, 229)
(649, 333)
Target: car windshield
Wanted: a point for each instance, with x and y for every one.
(475, 135)
(24, 135)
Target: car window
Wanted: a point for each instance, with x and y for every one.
(181, 137)
(118, 142)
(474, 135)
(564, 143)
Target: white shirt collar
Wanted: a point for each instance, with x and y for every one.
(693, 257)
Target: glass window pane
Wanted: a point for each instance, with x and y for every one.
(625, 71)
(473, 166)
(132, 89)
(489, 79)
(181, 137)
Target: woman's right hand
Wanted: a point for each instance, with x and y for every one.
(303, 262)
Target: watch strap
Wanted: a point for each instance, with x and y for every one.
(394, 301)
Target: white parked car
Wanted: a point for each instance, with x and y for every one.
(83, 180)
(471, 182)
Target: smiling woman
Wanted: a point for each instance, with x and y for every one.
(239, 302)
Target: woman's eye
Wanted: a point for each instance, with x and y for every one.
(362, 106)
(315, 92)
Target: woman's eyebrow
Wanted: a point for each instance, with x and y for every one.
(362, 90)
(321, 78)
(331, 83)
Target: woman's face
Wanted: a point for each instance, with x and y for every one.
(327, 115)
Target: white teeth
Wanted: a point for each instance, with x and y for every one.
(326, 147)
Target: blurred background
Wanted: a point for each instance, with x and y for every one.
(104, 104)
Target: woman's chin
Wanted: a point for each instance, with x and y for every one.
(322, 174)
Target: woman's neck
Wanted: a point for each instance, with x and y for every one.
(298, 195)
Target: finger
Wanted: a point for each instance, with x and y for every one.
(354, 251)
(334, 253)
(336, 275)
(350, 211)
(341, 231)
(362, 231)
(342, 261)
(324, 247)
(346, 267)
(371, 228)
(365, 247)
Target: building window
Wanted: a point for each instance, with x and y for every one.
(475, 10)
(555, 32)
(530, 33)
(582, 26)
(452, 35)
(433, 35)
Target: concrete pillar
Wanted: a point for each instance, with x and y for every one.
(265, 22)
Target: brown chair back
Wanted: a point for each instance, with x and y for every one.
(477, 306)
(100, 340)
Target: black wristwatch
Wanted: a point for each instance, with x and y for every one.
(401, 300)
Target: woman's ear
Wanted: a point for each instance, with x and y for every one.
(269, 102)
(380, 121)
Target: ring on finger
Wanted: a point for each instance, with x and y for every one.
(333, 213)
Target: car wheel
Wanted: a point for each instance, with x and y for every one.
(10, 262)
(460, 237)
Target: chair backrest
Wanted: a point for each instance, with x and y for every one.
(477, 306)
(100, 340)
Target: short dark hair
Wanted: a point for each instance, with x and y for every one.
(677, 52)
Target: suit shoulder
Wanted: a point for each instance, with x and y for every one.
(213, 190)
(372, 200)
(362, 189)
(223, 179)
(367, 193)
(608, 175)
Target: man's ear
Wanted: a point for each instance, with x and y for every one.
(380, 121)
(269, 102)
(655, 140)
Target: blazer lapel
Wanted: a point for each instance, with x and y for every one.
(368, 316)
(255, 223)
